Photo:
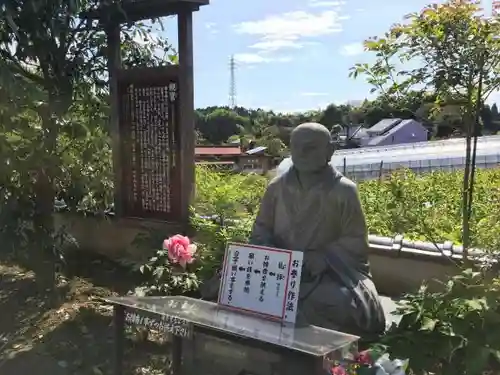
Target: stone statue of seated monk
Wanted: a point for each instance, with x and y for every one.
(313, 208)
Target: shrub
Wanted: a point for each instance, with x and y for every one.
(455, 331)
(160, 278)
(164, 275)
(224, 211)
(428, 207)
(231, 201)
(423, 207)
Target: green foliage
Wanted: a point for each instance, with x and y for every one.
(421, 207)
(433, 36)
(53, 114)
(455, 331)
(85, 181)
(233, 200)
(224, 211)
(428, 207)
(159, 275)
(161, 278)
(227, 194)
(452, 47)
(219, 125)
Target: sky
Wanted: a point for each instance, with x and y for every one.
(291, 55)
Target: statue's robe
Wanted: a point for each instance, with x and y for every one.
(327, 223)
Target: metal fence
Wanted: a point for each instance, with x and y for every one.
(360, 172)
(448, 155)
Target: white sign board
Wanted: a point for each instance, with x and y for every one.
(261, 280)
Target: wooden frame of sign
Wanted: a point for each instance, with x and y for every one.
(157, 184)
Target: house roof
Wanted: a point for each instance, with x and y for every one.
(375, 141)
(351, 129)
(384, 125)
(360, 132)
(217, 151)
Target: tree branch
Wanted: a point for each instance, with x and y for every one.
(19, 69)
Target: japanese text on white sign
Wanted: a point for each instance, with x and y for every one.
(261, 280)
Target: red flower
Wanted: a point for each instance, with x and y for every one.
(338, 370)
(364, 358)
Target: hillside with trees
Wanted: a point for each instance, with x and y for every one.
(218, 125)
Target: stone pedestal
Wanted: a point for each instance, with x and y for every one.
(210, 340)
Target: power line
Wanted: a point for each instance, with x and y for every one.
(232, 82)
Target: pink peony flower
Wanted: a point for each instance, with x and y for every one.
(180, 250)
(338, 370)
(364, 358)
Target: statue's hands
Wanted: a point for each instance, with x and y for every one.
(314, 263)
(210, 288)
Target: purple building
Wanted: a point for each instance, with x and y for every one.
(394, 131)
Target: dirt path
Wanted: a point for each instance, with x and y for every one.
(73, 338)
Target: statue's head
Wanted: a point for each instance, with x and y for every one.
(311, 147)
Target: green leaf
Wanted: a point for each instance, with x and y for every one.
(475, 304)
(428, 324)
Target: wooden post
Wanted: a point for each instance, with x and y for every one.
(114, 64)
(119, 338)
(176, 353)
(186, 118)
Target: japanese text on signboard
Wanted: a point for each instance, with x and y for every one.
(169, 324)
(259, 280)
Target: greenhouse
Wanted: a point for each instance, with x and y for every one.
(367, 163)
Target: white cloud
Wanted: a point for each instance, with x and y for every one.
(273, 45)
(254, 58)
(326, 4)
(314, 94)
(352, 49)
(293, 25)
(290, 30)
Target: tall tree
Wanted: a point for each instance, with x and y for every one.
(456, 54)
(59, 59)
